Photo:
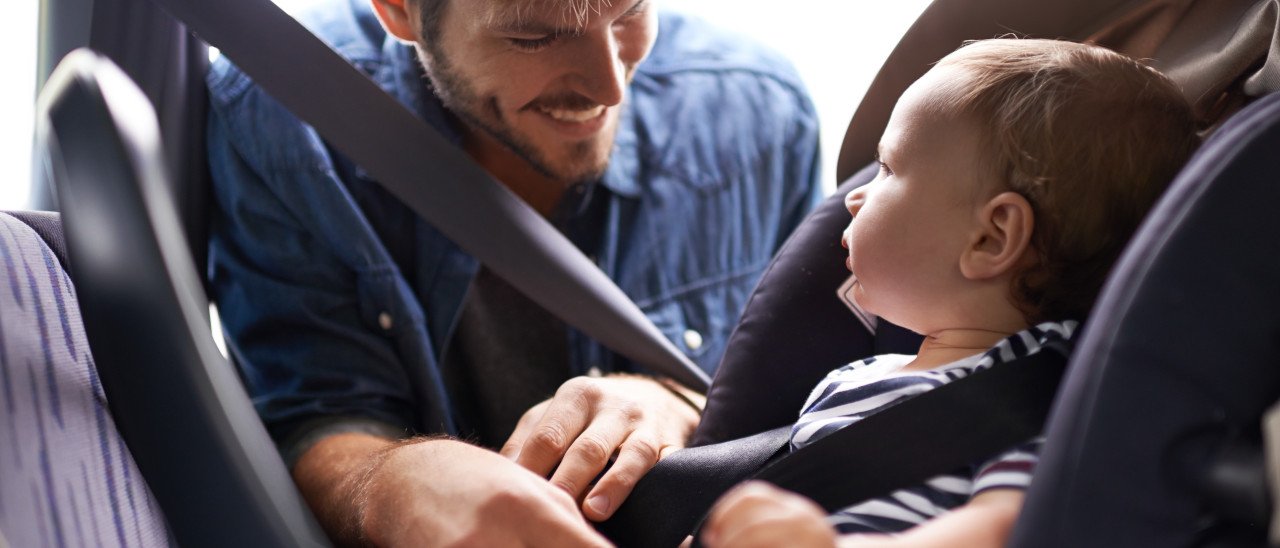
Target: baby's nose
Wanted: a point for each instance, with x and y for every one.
(853, 200)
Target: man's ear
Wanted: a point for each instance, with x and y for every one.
(395, 17)
(1002, 238)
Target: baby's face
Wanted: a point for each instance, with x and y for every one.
(911, 224)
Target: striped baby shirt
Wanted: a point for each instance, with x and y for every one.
(867, 386)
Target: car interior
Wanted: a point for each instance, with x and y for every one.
(125, 424)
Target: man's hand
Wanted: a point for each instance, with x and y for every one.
(438, 493)
(587, 422)
(758, 514)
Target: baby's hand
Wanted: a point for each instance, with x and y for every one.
(759, 514)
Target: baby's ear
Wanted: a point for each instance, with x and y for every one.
(1001, 238)
(395, 17)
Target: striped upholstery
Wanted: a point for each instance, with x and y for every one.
(66, 478)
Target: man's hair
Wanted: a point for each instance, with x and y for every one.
(431, 11)
(429, 14)
(1089, 137)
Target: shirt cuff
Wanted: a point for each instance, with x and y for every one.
(309, 434)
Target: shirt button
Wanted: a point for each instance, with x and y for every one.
(692, 339)
(384, 321)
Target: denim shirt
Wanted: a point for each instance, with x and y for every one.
(337, 300)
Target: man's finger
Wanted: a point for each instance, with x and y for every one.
(590, 453)
(511, 449)
(567, 415)
(636, 456)
(558, 523)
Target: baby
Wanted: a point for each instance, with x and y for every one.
(1011, 176)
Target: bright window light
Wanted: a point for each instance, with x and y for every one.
(17, 101)
(836, 46)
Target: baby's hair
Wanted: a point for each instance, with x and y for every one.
(1089, 137)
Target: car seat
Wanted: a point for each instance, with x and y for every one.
(67, 477)
(792, 331)
(1221, 55)
(1177, 365)
(181, 406)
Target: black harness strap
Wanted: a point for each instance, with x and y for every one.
(933, 433)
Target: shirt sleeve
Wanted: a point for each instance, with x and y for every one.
(301, 305)
(1011, 469)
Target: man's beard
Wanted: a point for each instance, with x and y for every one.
(463, 101)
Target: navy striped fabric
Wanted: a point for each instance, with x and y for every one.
(66, 477)
(866, 387)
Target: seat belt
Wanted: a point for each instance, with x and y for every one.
(434, 178)
(934, 433)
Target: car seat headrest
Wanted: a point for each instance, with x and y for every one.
(1219, 51)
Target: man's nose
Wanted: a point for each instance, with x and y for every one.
(598, 72)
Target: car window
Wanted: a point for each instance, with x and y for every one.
(17, 101)
(836, 46)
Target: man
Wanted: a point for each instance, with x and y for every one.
(678, 162)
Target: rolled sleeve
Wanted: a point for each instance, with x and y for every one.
(301, 313)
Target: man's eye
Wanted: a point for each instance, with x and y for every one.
(532, 44)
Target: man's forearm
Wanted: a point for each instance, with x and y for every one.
(331, 476)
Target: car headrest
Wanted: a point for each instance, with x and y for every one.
(794, 330)
(1178, 358)
(1218, 51)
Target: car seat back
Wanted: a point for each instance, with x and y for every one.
(66, 476)
(169, 65)
(179, 404)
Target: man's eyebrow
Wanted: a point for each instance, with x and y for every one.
(515, 25)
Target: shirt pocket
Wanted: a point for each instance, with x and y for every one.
(699, 318)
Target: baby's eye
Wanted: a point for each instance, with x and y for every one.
(884, 168)
(530, 45)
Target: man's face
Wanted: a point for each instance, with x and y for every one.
(541, 79)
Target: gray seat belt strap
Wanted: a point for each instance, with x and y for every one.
(433, 177)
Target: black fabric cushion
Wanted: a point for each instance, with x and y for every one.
(793, 331)
(1179, 358)
(48, 224)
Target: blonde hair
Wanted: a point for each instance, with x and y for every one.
(1089, 137)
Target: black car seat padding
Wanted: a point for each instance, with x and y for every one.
(48, 225)
(1179, 361)
(794, 330)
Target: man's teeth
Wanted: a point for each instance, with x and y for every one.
(565, 115)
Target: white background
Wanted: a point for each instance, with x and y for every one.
(837, 46)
